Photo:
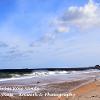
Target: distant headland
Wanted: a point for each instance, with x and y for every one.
(27, 70)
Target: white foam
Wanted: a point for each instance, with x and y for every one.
(47, 73)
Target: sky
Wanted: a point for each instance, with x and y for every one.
(49, 33)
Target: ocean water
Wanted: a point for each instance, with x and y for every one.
(58, 75)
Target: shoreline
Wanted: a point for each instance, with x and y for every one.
(79, 90)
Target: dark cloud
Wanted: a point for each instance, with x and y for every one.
(72, 15)
(12, 51)
(2, 44)
(45, 39)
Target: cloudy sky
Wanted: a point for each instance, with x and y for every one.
(49, 33)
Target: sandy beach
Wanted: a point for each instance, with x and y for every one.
(86, 92)
(87, 89)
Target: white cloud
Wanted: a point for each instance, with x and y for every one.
(83, 17)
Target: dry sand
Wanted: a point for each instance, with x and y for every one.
(88, 92)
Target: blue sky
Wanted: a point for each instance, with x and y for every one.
(49, 33)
